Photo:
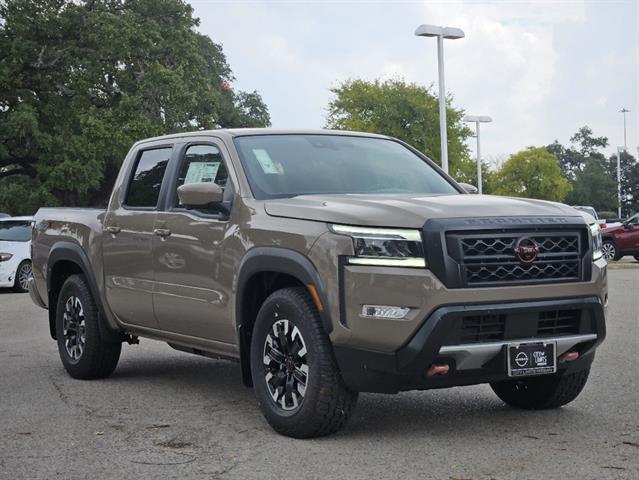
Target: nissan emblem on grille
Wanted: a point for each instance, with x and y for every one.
(526, 250)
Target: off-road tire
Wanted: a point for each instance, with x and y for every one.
(540, 393)
(327, 402)
(99, 357)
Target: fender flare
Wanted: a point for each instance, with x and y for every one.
(72, 252)
(279, 260)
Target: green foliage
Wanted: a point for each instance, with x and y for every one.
(80, 81)
(532, 173)
(605, 214)
(593, 177)
(583, 146)
(593, 187)
(406, 111)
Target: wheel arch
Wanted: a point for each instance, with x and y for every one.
(66, 259)
(263, 271)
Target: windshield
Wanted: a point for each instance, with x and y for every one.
(288, 165)
(15, 231)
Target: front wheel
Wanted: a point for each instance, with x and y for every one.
(609, 250)
(23, 274)
(539, 393)
(83, 352)
(297, 383)
(637, 257)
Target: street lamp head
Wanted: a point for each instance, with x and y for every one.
(477, 118)
(450, 33)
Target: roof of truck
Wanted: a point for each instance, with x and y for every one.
(242, 132)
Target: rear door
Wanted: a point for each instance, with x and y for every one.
(628, 236)
(128, 238)
(193, 274)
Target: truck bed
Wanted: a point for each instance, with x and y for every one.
(79, 226)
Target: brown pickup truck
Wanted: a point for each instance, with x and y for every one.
(327, 264)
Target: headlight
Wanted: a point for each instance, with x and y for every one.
(5, 256)
(384, 246)
(597, 243)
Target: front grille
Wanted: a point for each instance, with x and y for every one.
(489, 259)
(513, 326)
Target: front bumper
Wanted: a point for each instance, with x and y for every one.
(8, 273)
(470, 363)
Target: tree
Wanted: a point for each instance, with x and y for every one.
(592, 177)
(80, 81)
(532, 173)
(583, 146)
(594, 187)
(406, 111)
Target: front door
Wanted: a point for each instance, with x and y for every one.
(192, 279)
(127, 240)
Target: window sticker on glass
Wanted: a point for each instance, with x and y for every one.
(201, 172)
(267, 164)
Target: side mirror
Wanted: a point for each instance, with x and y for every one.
(472, 189)
(200, 194)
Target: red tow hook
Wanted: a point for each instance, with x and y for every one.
(437, 370)
(569, 357)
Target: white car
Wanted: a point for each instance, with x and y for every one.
(15, 252)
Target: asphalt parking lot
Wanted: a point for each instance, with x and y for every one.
(165, 414)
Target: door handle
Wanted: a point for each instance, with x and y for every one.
(162, 232)
(113, 229)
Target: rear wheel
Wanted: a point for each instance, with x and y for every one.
(23, 274)
(538, 393)
(297, 383)
(609, 250)
(637, 257)
(83, 352)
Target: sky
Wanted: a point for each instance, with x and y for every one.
(540, 69)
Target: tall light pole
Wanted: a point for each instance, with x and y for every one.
(624, 111)
(619, 150)
(441, 33)
(477, 119)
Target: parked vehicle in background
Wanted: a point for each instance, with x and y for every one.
(621, 239)
(589, 210)
(4, 215)
(327, 263)
(15, 252)
(592, 212)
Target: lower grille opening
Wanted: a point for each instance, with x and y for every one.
(558, 322)
(483, 328)
(516, 326)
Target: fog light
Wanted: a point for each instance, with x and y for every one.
(384, 311)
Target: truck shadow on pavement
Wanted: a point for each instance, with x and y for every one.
(188, 382)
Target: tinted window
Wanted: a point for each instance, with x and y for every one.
(202, 163)
(15, 231)
(289, 165)
(144, 188)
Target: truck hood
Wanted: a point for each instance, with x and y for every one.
(409, 211)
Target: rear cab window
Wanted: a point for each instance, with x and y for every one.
(146, 180)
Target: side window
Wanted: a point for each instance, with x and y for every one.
(202, 163)
(144, 187)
